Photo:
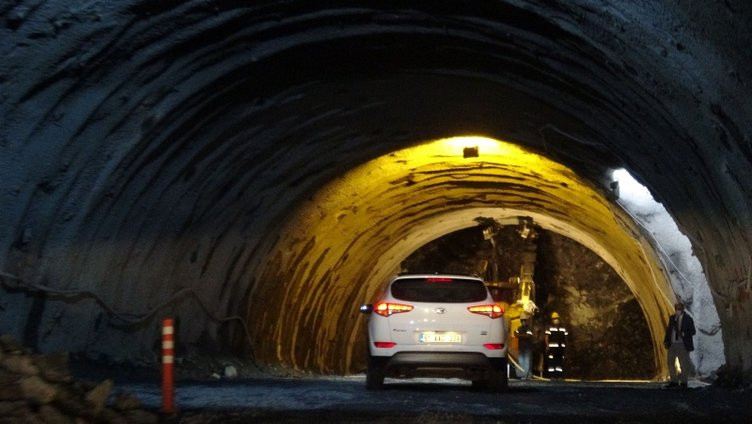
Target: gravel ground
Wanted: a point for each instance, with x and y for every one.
(344, 399)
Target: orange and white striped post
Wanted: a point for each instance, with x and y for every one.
(168, 356)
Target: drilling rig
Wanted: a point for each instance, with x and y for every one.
(522, 285)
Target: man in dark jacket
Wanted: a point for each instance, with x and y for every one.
(678, 341)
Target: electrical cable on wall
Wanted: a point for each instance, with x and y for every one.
(665, 256)
(134, 319)
(660, 247)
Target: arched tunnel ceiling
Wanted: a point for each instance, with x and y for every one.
(149, 148)
(344, 242)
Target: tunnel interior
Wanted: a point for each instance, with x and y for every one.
(600, 311)
(346, 242)
(258, 171)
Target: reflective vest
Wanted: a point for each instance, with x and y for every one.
(557, 336)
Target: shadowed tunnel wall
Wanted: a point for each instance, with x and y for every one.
(151, 153)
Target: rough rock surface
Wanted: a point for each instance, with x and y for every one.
(608, 336)
(40, 388)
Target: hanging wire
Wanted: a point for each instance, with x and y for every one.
(667, 258)
(658, 244)
(129, 319)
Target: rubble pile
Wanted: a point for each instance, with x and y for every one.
(40, 388)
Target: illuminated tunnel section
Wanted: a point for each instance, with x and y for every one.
(341, 246)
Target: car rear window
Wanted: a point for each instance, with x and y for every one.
(439, 289)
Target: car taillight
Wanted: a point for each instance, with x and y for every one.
(385, 308)
(492, 311)
(494, 346)
(384, 345)
(438, 280)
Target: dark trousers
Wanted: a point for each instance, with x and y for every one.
(553, 364)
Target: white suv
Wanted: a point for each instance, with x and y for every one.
(437, 325)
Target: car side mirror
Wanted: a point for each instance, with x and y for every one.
(366, 308)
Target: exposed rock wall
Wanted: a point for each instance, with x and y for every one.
(40, 388)
(608, 337)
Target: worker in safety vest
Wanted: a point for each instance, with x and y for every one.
(525, 343)
(555, 343)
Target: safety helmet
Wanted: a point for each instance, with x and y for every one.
(555, 315)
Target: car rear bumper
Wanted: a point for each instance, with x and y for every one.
(443, 360)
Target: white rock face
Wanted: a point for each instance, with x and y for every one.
(687, 278)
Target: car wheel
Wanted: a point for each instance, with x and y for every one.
(497, 380)
(479, 385)
(374, 374)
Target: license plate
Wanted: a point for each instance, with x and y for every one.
(432, 337)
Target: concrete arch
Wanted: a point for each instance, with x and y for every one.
(349, 238)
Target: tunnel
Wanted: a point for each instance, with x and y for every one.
(259, 170)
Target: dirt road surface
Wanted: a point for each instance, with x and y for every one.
(345, 400)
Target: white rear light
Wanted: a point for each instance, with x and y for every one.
(491, 311)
